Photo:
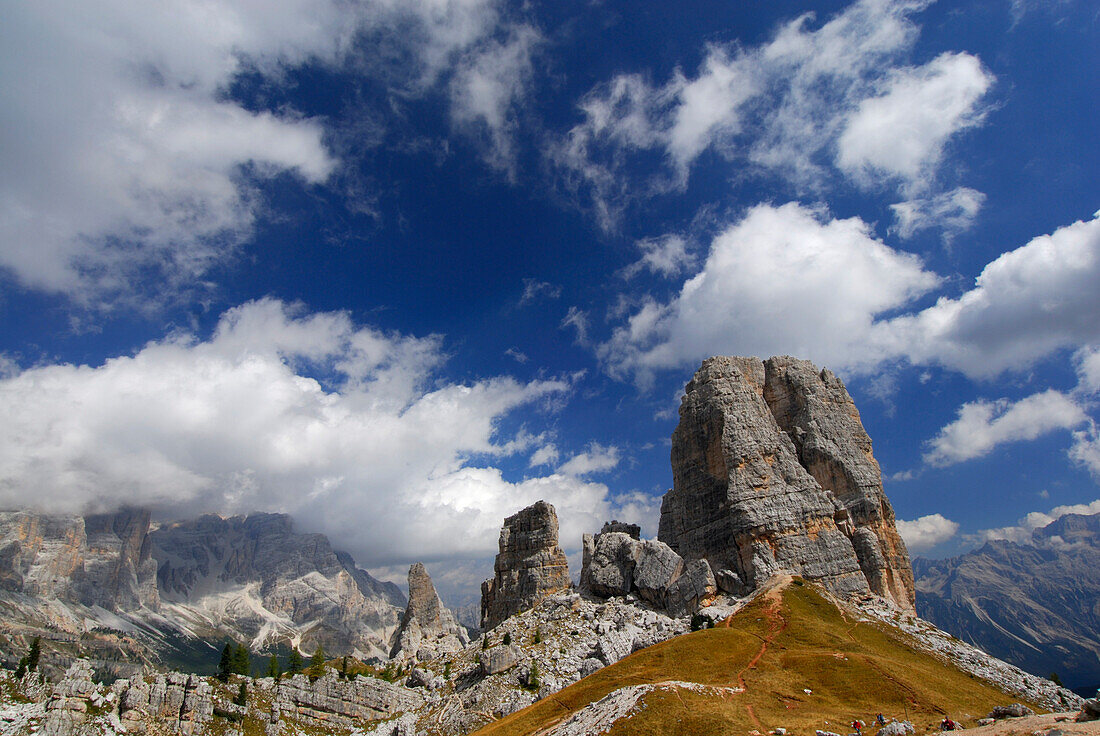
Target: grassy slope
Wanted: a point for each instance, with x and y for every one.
(855, 670)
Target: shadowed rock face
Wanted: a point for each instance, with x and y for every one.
(529, 566)
(772, 471)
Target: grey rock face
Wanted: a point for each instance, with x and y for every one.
(99, 560)
(609, 571)
(655, 571)
(296, 577)
(690, 589)
(1031, 603)
(772, 472)
(529, 566)
(427, 629)
(896, 728)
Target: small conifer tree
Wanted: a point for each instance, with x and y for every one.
(294, 663)
(507, 637)
(29, 661)
(317, 663)
(225, 664)
(241, 661)
(274, 671)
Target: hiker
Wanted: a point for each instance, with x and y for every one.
(857, 726)
(881, 719)
(948, 725)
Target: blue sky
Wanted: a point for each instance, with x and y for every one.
(403, 268)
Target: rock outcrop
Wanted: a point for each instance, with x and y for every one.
(615, 563)
(1031, 602)
(773, 472)
(529, 566)
(427, 628)
(330, 701)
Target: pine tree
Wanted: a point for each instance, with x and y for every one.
(294, 663)
(507, 638)
(317, 662)
(241, 661)
(29, 661)
(225, 664)
(273, 669)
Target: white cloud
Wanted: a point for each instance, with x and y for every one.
(389, 460)
(596, 459)
(808, 97)
(1085, 449)
(124, 159)
(1088, 369)
(1021, 533)
(487, 84)
(782, 280)
(902, 133)
(923, 534)
(545, 455)
(983, 425)
(1026, 304)
(952, 211)
(665, 256)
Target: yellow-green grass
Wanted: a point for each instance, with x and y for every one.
(854, 670)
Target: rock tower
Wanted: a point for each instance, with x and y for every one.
(773, 471)
(529, 566)
(427, 629)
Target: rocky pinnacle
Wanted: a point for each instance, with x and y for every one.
(427, 629)
(773, 471)
(529, 566)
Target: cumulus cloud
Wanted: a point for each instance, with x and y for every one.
(902, 133)
(952, 211)
(596, 459)
(1026, 304)
(1021, 532)
(812, 95)
(784, 279)
(1088, 368)
(345, 427)
(923, 534)
(983, 425)
(545, 455)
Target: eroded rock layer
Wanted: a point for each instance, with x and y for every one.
(773, 471)
(529, 566)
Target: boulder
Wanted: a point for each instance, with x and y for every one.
(499, 659)
(656, 568)
(896, 728)
(1014, 710)
(610, 568)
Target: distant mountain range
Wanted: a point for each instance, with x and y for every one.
(1034, 604)
(126, 592)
